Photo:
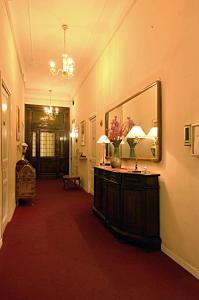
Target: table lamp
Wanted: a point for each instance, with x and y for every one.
(153, 134)
(103, 140)
(136, 134)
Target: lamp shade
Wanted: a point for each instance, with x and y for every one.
(153, 133)
(136, 132)
(103, 140)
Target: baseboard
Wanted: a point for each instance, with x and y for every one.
(11, 214)
(183, 263)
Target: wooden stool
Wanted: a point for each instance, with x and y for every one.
(71, 181)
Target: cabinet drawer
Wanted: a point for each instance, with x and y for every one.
(114, 177)
(133, 180)
(100, 172)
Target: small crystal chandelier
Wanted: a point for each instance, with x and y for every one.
(50, 111)
(68, 64)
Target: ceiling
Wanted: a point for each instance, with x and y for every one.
(39, 38)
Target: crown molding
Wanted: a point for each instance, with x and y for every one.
(19, 60)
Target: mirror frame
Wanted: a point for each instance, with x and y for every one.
(159, 121)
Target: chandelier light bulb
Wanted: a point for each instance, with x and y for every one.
(52, 64)
(4, 107)
(70, 61)
(56, 110)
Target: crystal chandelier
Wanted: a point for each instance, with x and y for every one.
(68, 64)
(50, 111)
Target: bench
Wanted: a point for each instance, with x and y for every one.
(71, 181)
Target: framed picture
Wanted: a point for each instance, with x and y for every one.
(187, 135)
(83, 133)
(195, 139)
(18, 123)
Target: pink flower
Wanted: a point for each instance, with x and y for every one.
(126, 127)
(118, 131)
(114, 129)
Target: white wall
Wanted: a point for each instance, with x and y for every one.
(12, 77)
(157, 40)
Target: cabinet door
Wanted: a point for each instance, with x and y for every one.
(113, 203)
(133, 211)
(97, 192)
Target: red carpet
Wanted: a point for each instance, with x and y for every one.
(59, 250)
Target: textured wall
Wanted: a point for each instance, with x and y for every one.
(12, 77)
(157, 40)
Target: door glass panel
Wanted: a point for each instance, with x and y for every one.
(61, 144)
(47, 144)
(33, 144)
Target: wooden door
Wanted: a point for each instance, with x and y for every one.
(48, 142)
(92, 154)
(74, 171)
(113, 203)
(5, 133)
(134, 210)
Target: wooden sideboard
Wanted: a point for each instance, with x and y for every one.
(129, 204)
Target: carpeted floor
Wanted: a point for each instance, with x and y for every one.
(59, 250)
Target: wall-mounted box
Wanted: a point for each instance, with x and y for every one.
(187, 135)
(195, 139)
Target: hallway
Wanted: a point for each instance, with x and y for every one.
(58, 249)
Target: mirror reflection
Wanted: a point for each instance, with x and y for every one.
(135, 125)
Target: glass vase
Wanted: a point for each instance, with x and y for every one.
(116, 161)
(132, 145)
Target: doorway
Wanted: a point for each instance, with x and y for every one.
(92, 153)
(48, 141)
(5, 143)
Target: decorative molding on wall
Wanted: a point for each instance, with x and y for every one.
(18, 54)
(41, 97)
(45, 101)
(45, 93)
(194, 271)
(30, 27)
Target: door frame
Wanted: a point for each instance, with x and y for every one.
(91, 160)
(4, 222)
(35, 125)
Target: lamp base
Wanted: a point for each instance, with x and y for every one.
(136, 171)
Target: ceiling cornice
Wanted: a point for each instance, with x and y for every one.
(5, 2)
(117, 27)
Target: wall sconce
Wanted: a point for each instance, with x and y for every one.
(134, 137)
(103, 140)
(74, 134)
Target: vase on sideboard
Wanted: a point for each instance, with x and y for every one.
(115, 160)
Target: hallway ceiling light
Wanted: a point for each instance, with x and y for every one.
(50, 111)
(67, 69)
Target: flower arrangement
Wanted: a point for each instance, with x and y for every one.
(119, 131)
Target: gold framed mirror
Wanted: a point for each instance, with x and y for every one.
(143, 110)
